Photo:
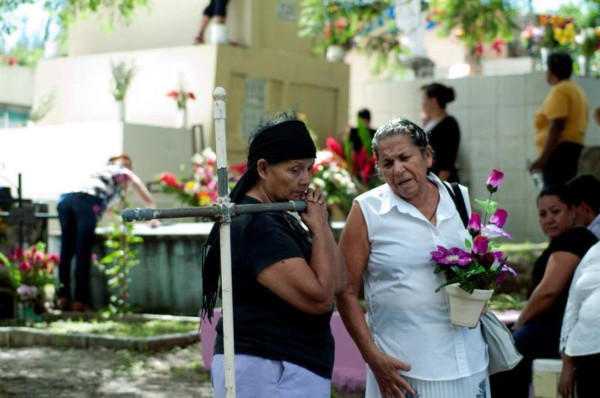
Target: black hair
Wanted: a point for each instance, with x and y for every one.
(443, 94)
(585, 189)
(560, 64)
(560, 191)
(364, 113)
(277, 140)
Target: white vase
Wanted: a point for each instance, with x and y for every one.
(544, 52)
(121, 111)
(465, 308)
(181, 119)
(335, 53)
(584, 65)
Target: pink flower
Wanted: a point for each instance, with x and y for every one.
(494, 181)
(499, 217)
(480, 244)
(451, 256)
(474, 225)
(24, 266)
(506, 270)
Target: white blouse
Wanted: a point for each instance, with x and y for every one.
(407, 319)
(580, 333)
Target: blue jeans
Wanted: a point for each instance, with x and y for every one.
(533, 340)
(78, 215)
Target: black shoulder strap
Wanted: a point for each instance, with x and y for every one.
(459, 201)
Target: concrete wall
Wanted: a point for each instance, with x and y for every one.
(16, 85)
(495, 114)
(260, 24)
(53, 159)
(258, 82)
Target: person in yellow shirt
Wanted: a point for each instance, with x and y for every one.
(560, 123)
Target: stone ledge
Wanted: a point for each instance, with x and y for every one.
(11, 337)
(26, 336)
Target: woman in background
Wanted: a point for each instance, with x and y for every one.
(442, 129)
(78, 213)
(537, 331)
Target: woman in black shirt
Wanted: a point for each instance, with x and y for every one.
(442, 129)
(537, 331)
(285, 275)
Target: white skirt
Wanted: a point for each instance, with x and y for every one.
(474, 386)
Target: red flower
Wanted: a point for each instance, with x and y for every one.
(335, 147)
(497, 45)
(191, 95)
(173, 94)
(170, 180)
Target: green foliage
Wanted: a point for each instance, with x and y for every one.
(67, 11)
(122, 74)
(118, 328)
(501, 302)
(360, 24)
(121, 258)
(43, 106)
(476, 21)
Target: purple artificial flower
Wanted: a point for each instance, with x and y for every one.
(493, 231)
(495, 180)
(454, 256)
(504, 272)
(480, 244)
(27, 292)
(474, 225)
(499, 217)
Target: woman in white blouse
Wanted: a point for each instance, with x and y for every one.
(580, 333)
(407, 340)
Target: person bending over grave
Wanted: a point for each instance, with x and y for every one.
(78, 213)
(286, 273)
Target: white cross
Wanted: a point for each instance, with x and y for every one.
(223, 210)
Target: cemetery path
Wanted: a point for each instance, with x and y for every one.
(95, 373)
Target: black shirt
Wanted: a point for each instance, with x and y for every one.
(576, 241)
(444, 138)
(265, 325)
(357, 143)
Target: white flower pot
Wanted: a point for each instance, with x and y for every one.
(335, 54)
(465, 308)
(218, 34)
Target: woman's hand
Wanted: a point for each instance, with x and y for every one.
(386, 370)
(566, 381)
(316, 215)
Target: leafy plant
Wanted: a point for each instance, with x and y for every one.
(43, 106)
(26, 273)
(122, 257)
(475, 22)
(477, 265)
(122, 74)
(367, 25)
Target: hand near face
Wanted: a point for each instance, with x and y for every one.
(316, 215)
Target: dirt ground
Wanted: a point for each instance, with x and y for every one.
(39, 372)
(44, 372)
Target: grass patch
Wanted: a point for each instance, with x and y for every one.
(150, 328)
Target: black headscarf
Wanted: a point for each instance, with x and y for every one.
(277, 141)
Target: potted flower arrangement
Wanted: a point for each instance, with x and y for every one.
(181, 97)
(472, 272)
(335, 26)
(26, 275)
(588, 41)
(122, 75)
